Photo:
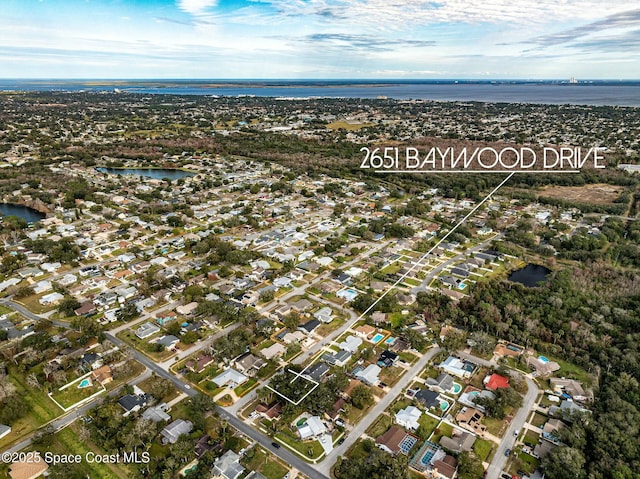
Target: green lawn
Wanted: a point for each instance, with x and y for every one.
(482, 448)
(428, 423)
(531, 437)
(494, 426)
(261, 461)
(246, 387)
(538, 420)
(73, 394)
(67, 442)
(443, 429)
(303, 448)
(380, 426)
(41, 408)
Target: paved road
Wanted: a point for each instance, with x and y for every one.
(355, 434)
(517, 423)
(499, 459)
(258, 437)
(465, 254)
(71, 416)
(28, 314)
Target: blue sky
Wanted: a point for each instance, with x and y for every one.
(301, 39)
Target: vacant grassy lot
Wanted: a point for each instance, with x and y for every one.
(601, 193)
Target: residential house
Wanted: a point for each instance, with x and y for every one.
(313, 427)
(444, 468)
(132, 403)
(310, 326)
(365, 331)
(443, 383)
(27, 469)
(228, 466)
(543, 366)
(459, 441)
(169, 341)
(324, 314)
(339, 358)
(427, 398)
(457, 367)
(51, 298)
(396, 440)
(173, 431)
(351, 344)
(103, 374)
(470, 418)
(230, 378)
(317, 371)
(146, 330)
(249, 364)
(387, 359)
(369, 375)
(273, 351)
(200, 363)
(496, 381)
(187, 309)
(409, 417)
(156, 413)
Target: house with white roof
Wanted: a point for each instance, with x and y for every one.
(313, 427)
(409, 417)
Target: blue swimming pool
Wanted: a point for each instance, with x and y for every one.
(543, 359)
(390, 341)
(377, 338)
(456, 388)
(444, 405)
(85, 383)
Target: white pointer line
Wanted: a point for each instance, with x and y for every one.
(423, 257)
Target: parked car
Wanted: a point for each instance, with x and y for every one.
(507, 452)
(276, 445)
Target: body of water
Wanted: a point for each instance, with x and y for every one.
(543, 92)
(29, 214)
(531, 275)
(156, 173)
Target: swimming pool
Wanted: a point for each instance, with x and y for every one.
(473, 394)
(444, 405)
(377, 338)
(184, 325)
(85, 383)
(456, 388)
(348, 294)
(543, 359)
(462, 286)
(390, 341)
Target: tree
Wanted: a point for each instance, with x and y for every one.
(361, 396)
(68, 306)
(564, 463)
(267, 296)
(469, 466)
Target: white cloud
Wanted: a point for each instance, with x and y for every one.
(403, 14)
(196, 7)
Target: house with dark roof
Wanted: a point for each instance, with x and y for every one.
(317, 371)
(206, 444)
(310, 326)
(132, 403)
(387, 359)
(427, 398)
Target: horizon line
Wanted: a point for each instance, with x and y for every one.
(374, 79)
